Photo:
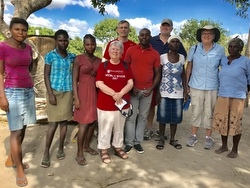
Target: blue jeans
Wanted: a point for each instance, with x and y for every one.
(136, 124)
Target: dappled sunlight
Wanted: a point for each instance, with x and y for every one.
(242, 170)
(190, 167)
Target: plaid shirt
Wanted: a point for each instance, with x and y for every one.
(61, 70)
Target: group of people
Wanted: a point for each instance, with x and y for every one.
(120, 95)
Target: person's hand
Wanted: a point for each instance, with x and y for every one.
(52, 99)
(147, 92)
(4, 104)
(117, 96)
(135, 91)
(119, 101)
(185, 96)
(77, 104)
(187, 89)
(158, 97)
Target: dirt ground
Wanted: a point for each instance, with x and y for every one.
(170, 168)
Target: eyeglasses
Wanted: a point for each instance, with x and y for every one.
(208, 34)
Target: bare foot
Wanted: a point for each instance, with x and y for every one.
(232, 154)
(221, 150)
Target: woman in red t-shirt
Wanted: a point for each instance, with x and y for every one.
(114, 81)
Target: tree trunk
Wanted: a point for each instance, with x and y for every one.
(23, 9)
(247, 52)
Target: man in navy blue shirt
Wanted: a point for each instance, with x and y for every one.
(159, 42)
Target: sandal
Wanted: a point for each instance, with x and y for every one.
(105, 156)
(160, 144)
(81, 161)
(91, 151)
(21, 182)
(45, 163)
(120, 153)
(175, 144)
(60, 155)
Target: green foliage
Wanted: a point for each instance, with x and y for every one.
(76, 45)
(100, 4)
(105, 30)
(1, 37)
(188, 32)
(99, 51)
(42, 31)
(241, 6)
(132, 35)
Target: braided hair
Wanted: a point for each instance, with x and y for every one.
(89, 36)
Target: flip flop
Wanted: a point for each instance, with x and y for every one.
(91, 151)
(45, 163)
(21, 182)
(175, 144)
(60, 156)
(81, 161)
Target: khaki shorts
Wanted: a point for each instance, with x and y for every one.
(64, 108)
(228, 115)
(202, 103)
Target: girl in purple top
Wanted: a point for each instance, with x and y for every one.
(17, 97)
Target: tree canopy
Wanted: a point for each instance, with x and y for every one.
(105, 30)
(241, 7)
(188, 31)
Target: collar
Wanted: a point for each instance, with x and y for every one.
(139, 47)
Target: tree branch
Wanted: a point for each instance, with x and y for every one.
(24, 8)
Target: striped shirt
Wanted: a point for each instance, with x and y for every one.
(61, 70)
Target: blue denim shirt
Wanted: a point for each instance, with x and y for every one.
(205, 69)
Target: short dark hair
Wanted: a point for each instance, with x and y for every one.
(61, 32)
(16, 20)
(145, 29)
